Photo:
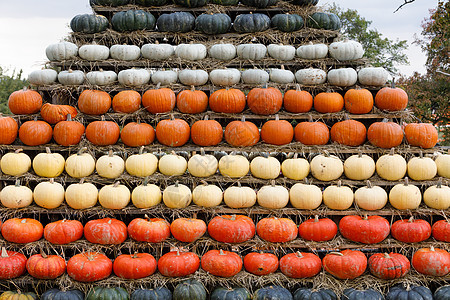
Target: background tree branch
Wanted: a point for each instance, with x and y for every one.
(404, 3)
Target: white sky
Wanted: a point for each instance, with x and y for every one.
(27, 27)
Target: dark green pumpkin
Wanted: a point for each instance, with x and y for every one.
(322, 20)
(191, 3)
(309, 294)
(225, 2)
(88, 23)
(160, 293)
(442, 293)
(151, 2)
(109, 2)
(55, 294)
(213, 23)
(412, 292)
(251, 23)
(132, 20)
(103, 293)
(272, 292)
(287, 22)
(259, 3)
(176, 22)
(189, 289)
(352, 294)
(305, 2)
(238, 293)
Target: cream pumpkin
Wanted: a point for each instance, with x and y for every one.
(15, 163)
(239, 196)
(421, 168)
(142, 164)
(202, 165)
(370, 197)
(207, 195)
(391, 166)
(359, 167)
(48, 164)
(172, 164)
(437, 196)
(305, 196)
(114, 196)
(110, 166)
(146, 195)
(295, 168)
(338, 197)
(49, 194)
(405, 196)
(273, 196)
(234, 165)
(80, 165)
(265, 167)
(16, 196)
(177, 196)
(443, 165)
(81, 195)
(326, 167)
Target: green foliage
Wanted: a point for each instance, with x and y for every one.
(9, 84)
(381, 51)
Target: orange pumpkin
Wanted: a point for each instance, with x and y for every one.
(206, 132)
(192, 101)
(241, 133)
(103, 133)
(137, 134)
(68, 133)
(34, 133)
(126, 102)
(348, 132)
(159, 100)
(385, 134)
(276, 230)
(422, 135)
(227, 101)
(391, 98)
(358, 101)
(277, 132)
(221, 263)
(265, 101)
(8, 130)
(173, 132)
(431, 261)
(312, 133)
(94, 102)
(328, 102)
(24, 102)
(297, 101)
(53, 113)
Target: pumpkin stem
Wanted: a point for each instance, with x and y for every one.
(243, 119)
(103, 118)
(172, 117)
(336, 253)
(192, 88)
(310, 118)
(23, 221)
(202, 152)
(4, 252)
(178, 251)
(35, 119)
(69, 117)
(306, 180)
(141, 150)
(393, 83)
(295, 156)
(326, 153)
(116, 184)
(176, 183)
(411, 219)
(386, 255)
(110, 153)
(316, 218)
(421, 154)
(239, 184)
(203, 182)
(369, 184)
(432, 248)
(81, 180)
(406, 181)
(221, 252)
(206, 118)
(339, 183)
(439, 183)
(272, 183)
(360, 154)
(17, 183)
(392, 151)
(282, 67)
(52, 180)
(233, 218)
(297, 87)
(145, 181)
(365, 217)
(109, 221)
(134, 255)
(299, 254)
(277, 117)
(158, 85)
(43, 254)
(18, 151)
(47, 150)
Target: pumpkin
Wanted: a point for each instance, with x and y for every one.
(282, 52)
(255, 76)
(312, 51)
(234, 165)
(178, 264)
(391, 166)
(311, 76)
(358, 101)
(443, 165)
(264, 101)
(277, 132)
(101, 77)
(328, 102)
(300, 265)
(297, 101)
(151, 294)
(94, 52)
(193, 77)
(114, 196)
(80, 165)
(48, 194)
(172, 164)
(231, 228)
(133, 77)
(313, 294)
(431, 261)
(225, 77)
(61, 51)
(207, 195)
(127, 101)
(370, 197)
(437, 196)
(441, 293)
(110, 165)
(48, 164)
(411, 291)
(195, 3)
(24, 102)
(151, 3)
(81, 195)
(100, 292)
(276, 230)
(389, 265)
(44, 266)
(272, 292)
(16, 196)
(239, 196)
(141, 164)
(68, 132)
(177, 196)
(64, 294)
(22, 231)
(146, 195)
(405, 196)
(103, 133)
(63, 232)
(213, 23)
(295, 168)
(189, 289)
(12, 264)
(192, 101)
(346, 50)
(225, 2)
(259, 3)
(8, 130)
(391, 98)
(441, 230)
(265, 167)
(421, 168)
(43, 77)
(222, 51)
(159, 100)
(53, 114)
(227, 101)
(221, 263)
(105, 231)
(15, 163)
(191, 51)
(89, 23)
(338, 197)
(326, 167)
(241, 133)
(353, 294)
(312, 133)
(157, 51)
(150, 230)
(367, 230)
(422, 135)
(347, 264)
(9, 295)
(273, 196)
(202, 165)
(287, 22)
(305, 196)
(125, 52)
(342, 77)
(349, 133)
(318, 230)
(173, 132)
(134, 266)
(206, 132)
(411, 231)
(35, 133)
(245, 23)
(385, 134)
(71, 77)
(323, 20)
(260, 263)
(164, 77)
(359, 167)
(94, 102)
(238, 293)
(187, 230)
(374, 76)
(136, 134)
(133, 20)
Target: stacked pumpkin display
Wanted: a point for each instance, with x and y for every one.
(250, 140)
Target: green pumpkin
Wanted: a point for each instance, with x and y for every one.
(176, 22)
(251, 23)
(213, 23)
(151, 2)
(55, 294)
(259, 3)
(191, 3)
(287, 22)
(225, 2)
(160, 293)
(189, 289)
(132, 20)
(109, 2)
(238, 293)
(103, 293)
(309, 294)
(412, 292)
(305, 2)
(442, 293)
(272, 292)
(352, 294)
(15, 295)
(88, 23)
(322, 20)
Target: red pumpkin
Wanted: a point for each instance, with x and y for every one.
(105, 231)
(12, 264)
(178, 264)
(277, 132)
(68, 133)
(241, 133)
(349, 133)
(137, 134)
(264, 101)
(431, 261)
(126, 102)
(231, 228)
(347, 264)
(24, 102)
(328, 102)
(89, 267)
(173, 132)
(300, 265)
(297, 101)
(53, 114)
(94, 102)
(227, 101)
(260, 263)
(276, 230)
(441, 231)
(358, 101)
(63, 232)
(411, 231)
(103, 133)
(206, 132)
(385, 134)
(192, 101)
(367, 230)
(187, 230)
(151, 230)
(44, 266)
(318, 230)
(134, 266)
(221, 263)
(8, 130)
(391, 98)
(312, 133)
(389, 266)
(159, 100)
(422, 135)
(22, 231)
(35, 133)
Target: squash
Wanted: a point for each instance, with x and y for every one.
(374, 76)
(312, 51)
(411, 231)
(437, 196)
(178, 264)
(63, 232)
(134, 266)
(176, 22)
(189, 289)
(206, 132)
(338, 197)
(272, 196)
(99, 292)
(173, 132)
(305, 196)
(225, 77)
(93, 52)
(405, 196)
(281, 76)
(114, 196)
(314, 294)
(221, 263)
(62, 294)
(42, 266)
(238, 293)
(359, 167)
(8, 130)
(239, 196)
(349, 133)
(187, 230)
(193, 77)
(255, 76)
(24, 102)
(265, 167)
(146, 195)
(312, 133)
(391, 98)
(347, 264)
(295, 168)
(328, 102)
(16, 196)
(265, 100)
(207, 195)
(110, 165)
(245, 23)
(366, 230)
(13, 264)
(61, 51)
(233, 229)
(101, 77)
(276, 230)
(10, 295)
(191, 51)
(68, 132)
(125, 52)
(318, 230)
(164, 77)
(71, 77)
(389, 265)
(277, 132)
(194, 3)
(48, 164)
(48, 194)
(172, 164)
(259, 3)
(134, 77)
(202, 165)
(342, 77)
(137, 134)
(142, 164)
(222, 51)
(411, 291)
(422, 135)
(323, 20)
(241, 133)
(369, 294)
(133, 20)
(15, 163)
(421, 168)
(113, 3)
(192, 101)
(159, 293)
(227, 101)
(157, 51)
(251, 51)
(80, 165)
(391, 166)
(326, 167)
(177, 196)
(358, 101)
(81, 195)
(442, 292)
(443, 165)
(431, 261)
(213, 23)
(272, 292)
(287, 22)
(89, 23)
(43, 77)
(281, 52)
(441, 231)
(311, 76)
(90, 267)
(260, 263)
(346, 50)
(370, 197)
(234, 165)
(300, 265)
(22, 230)
(150, 230)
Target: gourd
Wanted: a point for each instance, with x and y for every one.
(137, 134)
(236, 293)
(421, 168)
(422, 135)
(287, 22)
(255, 76)
(348, 132)
(346, 50)
(225, 77)
(61, 51)
(89, 23)
(227, 101)
(234, 165)
(312, 51)
(178, 264)
(164, 77)
(159, 100)
(81, 195)
(100, 292)
(8, 130)
(173, 132)
(265, 100)
(391, 166)
(312, 133)
(338, 197)
(231, 228)
(101, 77)
(443, 164)
(295, 168)
(353, 294)
(374, 76)
(142, 164)
(300, 265)
(239, 196)
(207, 195)
(114, 196)
(318, 230)
(151, 294)
(276, 230)
(134, 266)
(251, 51)
(42, 266)
(323, 20)
(281, 76)
(260, 263)
(71, 77)
(24, 102)
(358, 101)
(272, 292)
(206, 132)
(272, 196)
(94, 102)
(63, 294)
(68, 132)
(221, 263)
(16, 196)
(281, 52)
(13, 264)
(110, 166)
(305, 196)
(172, 164)
(35, 133)
(189, 289)
(195, 3)
(22, 230)
(89, 267)
(222, 51)
(191, 51)
(437, 196)
(106, 231)
(411, 291)
(177, 196)
(389, 265)
(113, 3)
(213, 23)
(431, 261)
(176, 22)
(48, 164)
(132, 20)
(133, 77)
(241, 133)
(93, 52)
(359, 167)
(146, 195)
(313, 294)
(326, 167)
(342, 77)
(259, 3)
(63, 232)
(18, 295)
(202, 165)
(125, 52)
(157, 51)
(43, 77)
(245, 23)
(265, 167)
(150, 230)
(391, 98)
(48, 194)
(370, 197)
(347, 264)
(311, 76)
(411, 231)
(277, 132)
(366, 230)
(385, 134)
(193, 77)
(80, 164)
(405, 196)
(15, 163)
(442, 292)
(54, 113)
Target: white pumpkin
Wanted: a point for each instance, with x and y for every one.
(165, 77)
(370, 197)
(281, 76)
(391, 166)
(311, 76)
(71, 77)
(305, 196)
(15, 163)
(346, 50)
(193, 77)
(114, 196)
(142, 164)
(49, 194)
(172, 164)
(146, 195)
(239, 196)
(80, 165)
(265, 167)
(16, 196)
(48, 164)
(295, 168)
(251, 51)
(191, 51)
(342, 77)
(338, 197)
(326, 167)
(374, 76)
(61, 51)
(101, 77)
(110, 165)
(81, 195)
(202, 165)
(93, 52)
(43, 77)
(421, 168)
(443, 164)
(134, 77)
(273, 196)
(207, 195)
(157, 51)
(437, 196)
(255, 76)
(177, 196)
(405, 196)
(359, 167)
(125, 52)
(312, 51)
(222, 51)
(225, 77)
(234, 165)
(281, 52)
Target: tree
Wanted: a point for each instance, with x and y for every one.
(381, 51)
(9, 84)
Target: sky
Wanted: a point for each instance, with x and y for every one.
(27, 27)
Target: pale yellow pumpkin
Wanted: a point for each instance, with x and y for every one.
(142, 164)
(405, 196)
(326, 167)
(391, 166)
(48, 164)
(15, 163)
(443, 165)
(110, 165)
(239, 196)
(80, 165)
(305, 196)
(295, 168)
(207, 195)
(370, 197)
(202, 165)
(146, 195)
(49, 194)
(421, 168)
(437, 196)
(265, 167)
(172, 164)
(81, 195)
(114, 196)
(273, 196)
(177, 196)
(234, 165)
(16, 196)
(359, 167)
(338, 197)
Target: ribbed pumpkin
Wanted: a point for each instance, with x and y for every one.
(189, 289)
(421, 168)
(391, 98)
(106, 231)
(300, 265)
(133, 20)
(53, 114)
(94, 102)
(389, 265)
(68, 132)
(192, 101)
(110, 165)
(324, 20)
(100, 292)
(35, 133)
(48, 164)
(89, 267)
(152, 294)
(63, 294)
(276, 230)
(178, 264)
(240, 293)
(234, 165)
(206, 132)
(173, 132)
(272, 196)
(347, 264)
(272, 292)
(318, 230)
(295, 168)
(202, 165)
(177, 196)
(126, 102)
(358, 101)
(24, 102)
(22, 231)
(328, 102)
(260, 263)
(12, 264)
(431, 261)
(405, 196)
(297, 101)
(437, 196)
(221, 263)
(264, 101)
(134, 266)
(89, 23)
(391, 166)
(265, 167)
(49, 194)
(80, 165)
(410, 291)
(187, 230)
(136, 134)
(277, 132)
(172, 164)
(141, 164)
(349, 133)
(231, 228)
(9, 295)
(338, 197)
(15, 163)
(241, 133)
(146, 195)
(367, 230)
(63, 231)
(227, 101)
(159, 100)
(16, 196)
(239, 196)
(411, 231)
(44, 266)
(150, 230)
(359, 167)
(422, 135)
(207, 195)
(8, 130)
(312, 133)
(314, 294)
(370, 197)
(114, 196)
(103, 133)
(81, 195)
(441, 230)
(385, 134)
(326, 167)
